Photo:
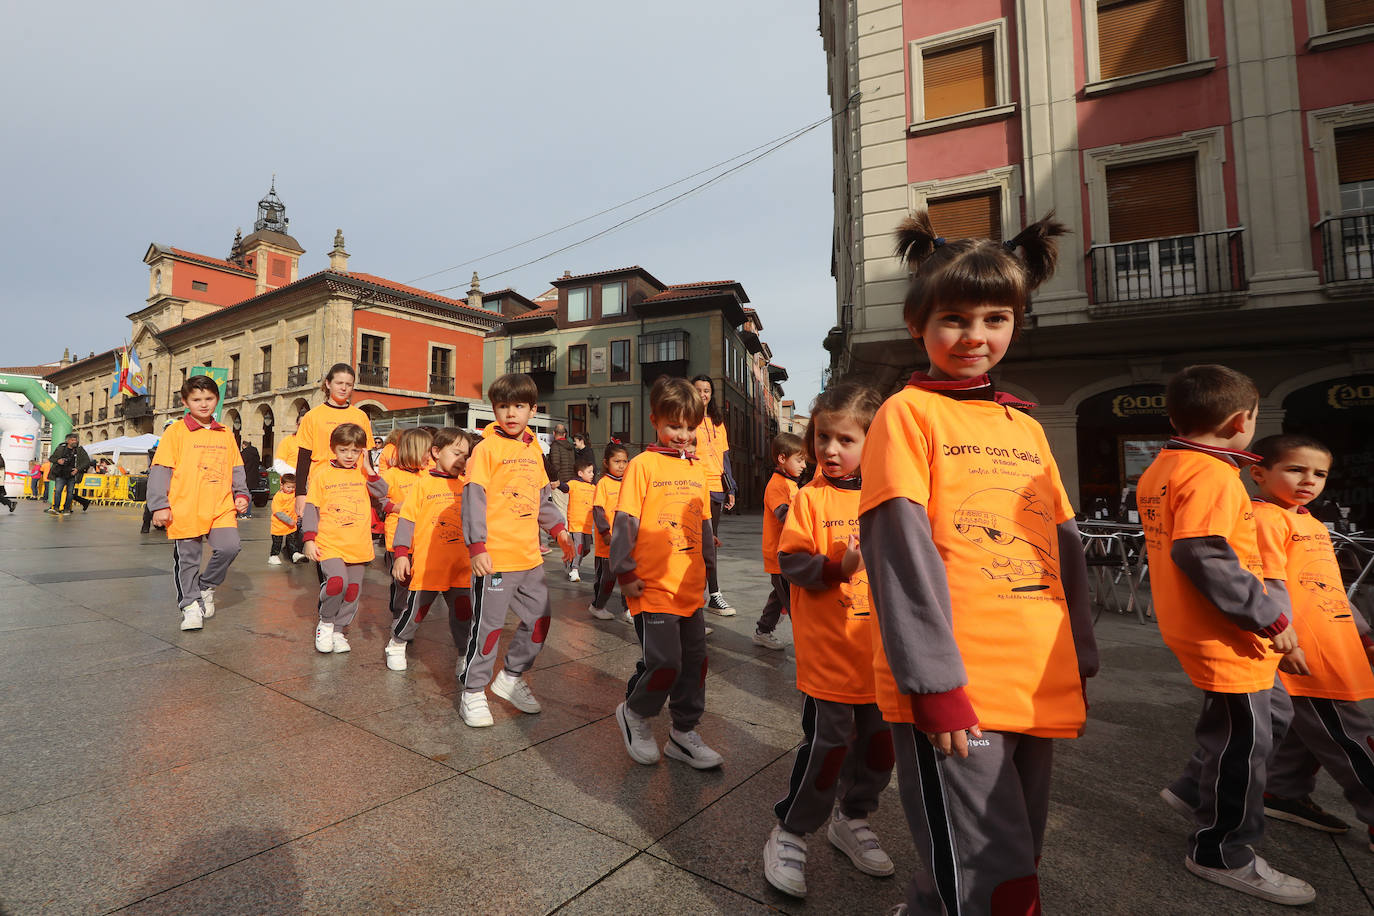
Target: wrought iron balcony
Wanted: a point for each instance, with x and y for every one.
(376, 376)
(441, 384)
(231, 389)
(298, 376)
(102, 413)
(1347, 248)
(1177, 272)
(262, 381)
(119, 410)
(86, 417)
(539, 363)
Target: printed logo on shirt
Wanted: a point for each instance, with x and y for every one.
(1016, 528)
(854, 597)
(681, 518)
(522, 493)
(1322, 578)
(447, 527)
(342, 515)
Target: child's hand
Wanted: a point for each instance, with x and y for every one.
(1285, 642)
(241, 504)
(481, 564)
(634, 589)
(312, 552)
(566, 542)
(852, 561)
(400, 570)
(162, 518)
(1295, 662)
(954, 743)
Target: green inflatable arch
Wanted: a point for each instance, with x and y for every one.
(38, 396)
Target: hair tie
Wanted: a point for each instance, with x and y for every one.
(939, 241)
(1010, 245)
(615, 441)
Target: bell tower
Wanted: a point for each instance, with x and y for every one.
(269, 251)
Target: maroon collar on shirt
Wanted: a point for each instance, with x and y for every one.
(193, 424)
(334, 463)
(613, 477)
(973, 389)
(525, 436)
(781, 473)
(665, 450)
(852, 482)
(1231, 456)
(435, 472)
(1300, 510)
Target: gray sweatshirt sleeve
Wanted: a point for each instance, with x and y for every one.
(1214, 570)
(603, 524)
(310, 521)
(377, 490)
(624, 534)
(284, 518)
(240, 481)
(550, 519)
(475, 515)
(159, 484)
(1073, 568)
(812, 571)
(405, 535)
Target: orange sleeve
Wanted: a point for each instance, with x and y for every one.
(896, 459)
(1208, 505)
(1273, 532)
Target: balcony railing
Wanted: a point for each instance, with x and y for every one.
(441, 384)
(119, 410)
(86, 417)
(1162, 271)
(1347, 248)
(231, 389)
(375, 376)
(102, 413)
(262, 381)
(537, 359)
(298, 376)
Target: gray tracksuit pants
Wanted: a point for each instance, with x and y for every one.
(341, 591)
(779, 600)
(418, 605)
(186, 557)
(522, 592)
(847, 751)
(671, 668)
(1335, 734)
(978, 823)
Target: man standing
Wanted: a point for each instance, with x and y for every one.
(252, 470)
(563, 461)
(69, 463)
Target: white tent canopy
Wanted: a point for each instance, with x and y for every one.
(122, 444)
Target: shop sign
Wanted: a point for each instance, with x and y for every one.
(1139, 405)
(1344, 396)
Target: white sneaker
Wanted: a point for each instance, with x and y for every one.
(191, 616)
(627, 617)
(274, 560)
(768, 640)
(474, 710)
(324, 637)
(574, 575)
(1257, 879)
(298, 558)
(513, 689)
(784, 862)
(395, 653)
(856, 839)
(340, 642)
(638, 735)
(600, 613)
(691, 750)
(708, 631)
(717, 604)
(207, 601)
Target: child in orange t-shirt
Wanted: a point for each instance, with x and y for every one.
(1226, 628)
(410, 453)
(285, 527)
(1329, 729)
(978, 580)
(613, 463)
(196, 489)
(660, 542)
(430, 553)
(818, 552)
(338, 532)
(581, 494)
(789, 461)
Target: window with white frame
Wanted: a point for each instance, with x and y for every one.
(985, 205)
(1137, 42)
(960, 76)
(577, 304)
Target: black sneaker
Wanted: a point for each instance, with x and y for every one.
(1303, 811)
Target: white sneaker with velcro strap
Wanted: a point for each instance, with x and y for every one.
(854, 838)
(784, 862)
(1258, 879)
(207, 602)
(513, 689)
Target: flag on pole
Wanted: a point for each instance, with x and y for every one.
(135, 382)
(117, 385)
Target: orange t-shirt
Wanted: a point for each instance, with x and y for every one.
(580, 499)
(607, 498)
(288, 450)
(202, 490)
(1191, 494)
(399, 483)
(712, 444)
(989, 485)
(316, 427)
(781, 490)
(345, 507)
(832, 629)
(669, 497)
(512, 473)
(439, 557)
(1297, 548)
(284, 503)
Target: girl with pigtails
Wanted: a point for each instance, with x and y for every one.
(978, 579)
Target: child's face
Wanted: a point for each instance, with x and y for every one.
(201, 405)
(586, 473)
(792, 465)
(675, 432)
(964, 343)
(513, 418)
(340, 387)
(1297, 478)
(616, 464)
(839, 445)
(347, 455)
(452, 458)
(288, 486)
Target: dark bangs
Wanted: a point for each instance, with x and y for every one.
(966, 273)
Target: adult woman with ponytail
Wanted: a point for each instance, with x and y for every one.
(312, 434)
(713, 449)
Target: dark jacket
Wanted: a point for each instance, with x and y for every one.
(563, 458)
(252, 465)
(75, 461)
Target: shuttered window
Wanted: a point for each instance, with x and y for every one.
(959, 79)
(1134, 36)
(1345, 14)
(968, 216)
(1355, 154)
(1151, 200)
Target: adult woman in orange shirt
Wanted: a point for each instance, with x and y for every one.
(713, 448)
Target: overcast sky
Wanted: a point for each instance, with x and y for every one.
(431, 133)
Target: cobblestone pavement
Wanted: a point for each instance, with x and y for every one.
(235, 770)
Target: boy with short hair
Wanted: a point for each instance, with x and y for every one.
(1329, 729)
(789, 461)
(196, 489)
(286, 538)
(1225, 628)
(505, 503)
(581, 494)
(661, 540)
